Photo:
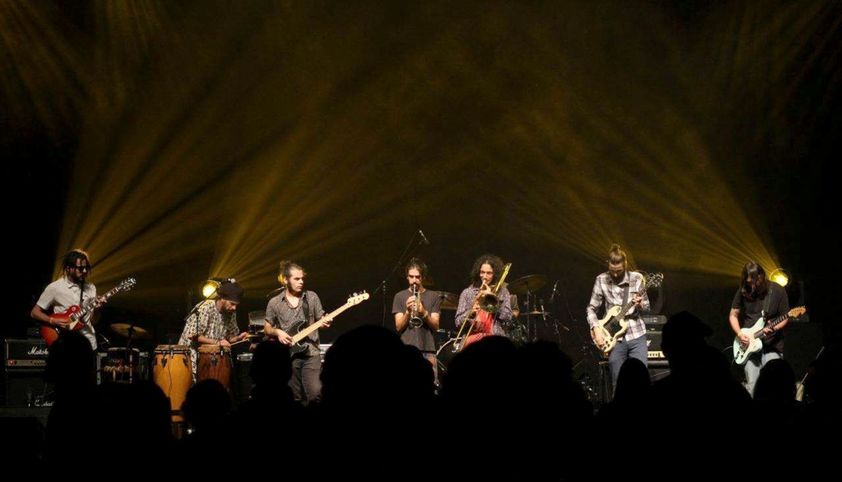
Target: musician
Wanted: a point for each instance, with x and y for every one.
(485, 274)
(756, 297)
(427, 309)
(616, 287)
(69, 290)
(213, 322)
(295, 308)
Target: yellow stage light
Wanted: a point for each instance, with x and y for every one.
(780, 276)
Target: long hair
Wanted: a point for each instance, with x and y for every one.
(761, 286)
(286, 269)
(418, 264)
(496, 264)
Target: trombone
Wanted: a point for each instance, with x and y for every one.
(487, 301)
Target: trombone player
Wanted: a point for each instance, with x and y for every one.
(485, 274)
(417, 311)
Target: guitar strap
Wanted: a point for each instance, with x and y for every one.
(305, 305)
(626, 295)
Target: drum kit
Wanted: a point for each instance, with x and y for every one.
(125, 364)
(527, 310)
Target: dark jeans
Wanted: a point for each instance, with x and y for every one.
(305, 383)
(624, 350)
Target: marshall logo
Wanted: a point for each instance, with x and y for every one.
(26, 353)
(37, 351)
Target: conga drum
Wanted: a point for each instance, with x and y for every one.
(215, 362)
(171, 371)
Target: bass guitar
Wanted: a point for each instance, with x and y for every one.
(614, 325)
(301, 331)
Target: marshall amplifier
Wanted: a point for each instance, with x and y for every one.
(25, 353)
(654, 325)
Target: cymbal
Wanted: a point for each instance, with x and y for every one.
(535, 313)
(527, 284)
(449, 301)
(129, 330)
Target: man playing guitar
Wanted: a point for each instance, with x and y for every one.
(69, 290)
(617, 287)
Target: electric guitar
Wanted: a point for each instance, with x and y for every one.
(614, 325)
(76, 314)
(755, 332)
(302, 331)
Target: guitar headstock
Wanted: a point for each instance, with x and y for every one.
(797, 312)
(357, 298)
(126, 284)
(653, 280)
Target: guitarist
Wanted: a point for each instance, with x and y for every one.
(755, 297)
(295, 307)
(616, 287)
(69, 290)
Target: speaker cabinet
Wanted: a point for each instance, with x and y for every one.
(25, 387)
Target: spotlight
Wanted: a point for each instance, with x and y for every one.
(780, 276)
(209, 289)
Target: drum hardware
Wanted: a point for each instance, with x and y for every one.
(130, 332)
(533, 307)
(449, 301)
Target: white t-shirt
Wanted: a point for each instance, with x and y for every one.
(61, 294)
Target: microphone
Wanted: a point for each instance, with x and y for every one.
(552, 296)
(424, 239)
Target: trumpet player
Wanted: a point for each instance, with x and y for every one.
(417, 311)
(485, 274)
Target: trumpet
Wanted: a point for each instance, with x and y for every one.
(415, 321)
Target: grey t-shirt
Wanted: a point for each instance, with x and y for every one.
(421, 337)
(280, 314)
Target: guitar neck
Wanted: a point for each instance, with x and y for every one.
(315, 326)
(771, 324)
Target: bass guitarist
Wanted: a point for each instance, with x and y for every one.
(757, 297)
(71, 289)
(616, 287)
(296, 307)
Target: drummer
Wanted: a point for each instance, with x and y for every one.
(213, 322)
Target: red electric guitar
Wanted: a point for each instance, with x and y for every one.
(76, 314)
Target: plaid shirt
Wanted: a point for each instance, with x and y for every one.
(608, 293)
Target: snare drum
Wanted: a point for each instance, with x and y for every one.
(215, 362)
(121, 365)
(171, 371)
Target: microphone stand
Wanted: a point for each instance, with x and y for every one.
(410, 248)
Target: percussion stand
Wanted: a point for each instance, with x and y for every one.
(130, 354)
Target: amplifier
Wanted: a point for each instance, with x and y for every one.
(654, 322)
(25, 387)
(25, 353)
